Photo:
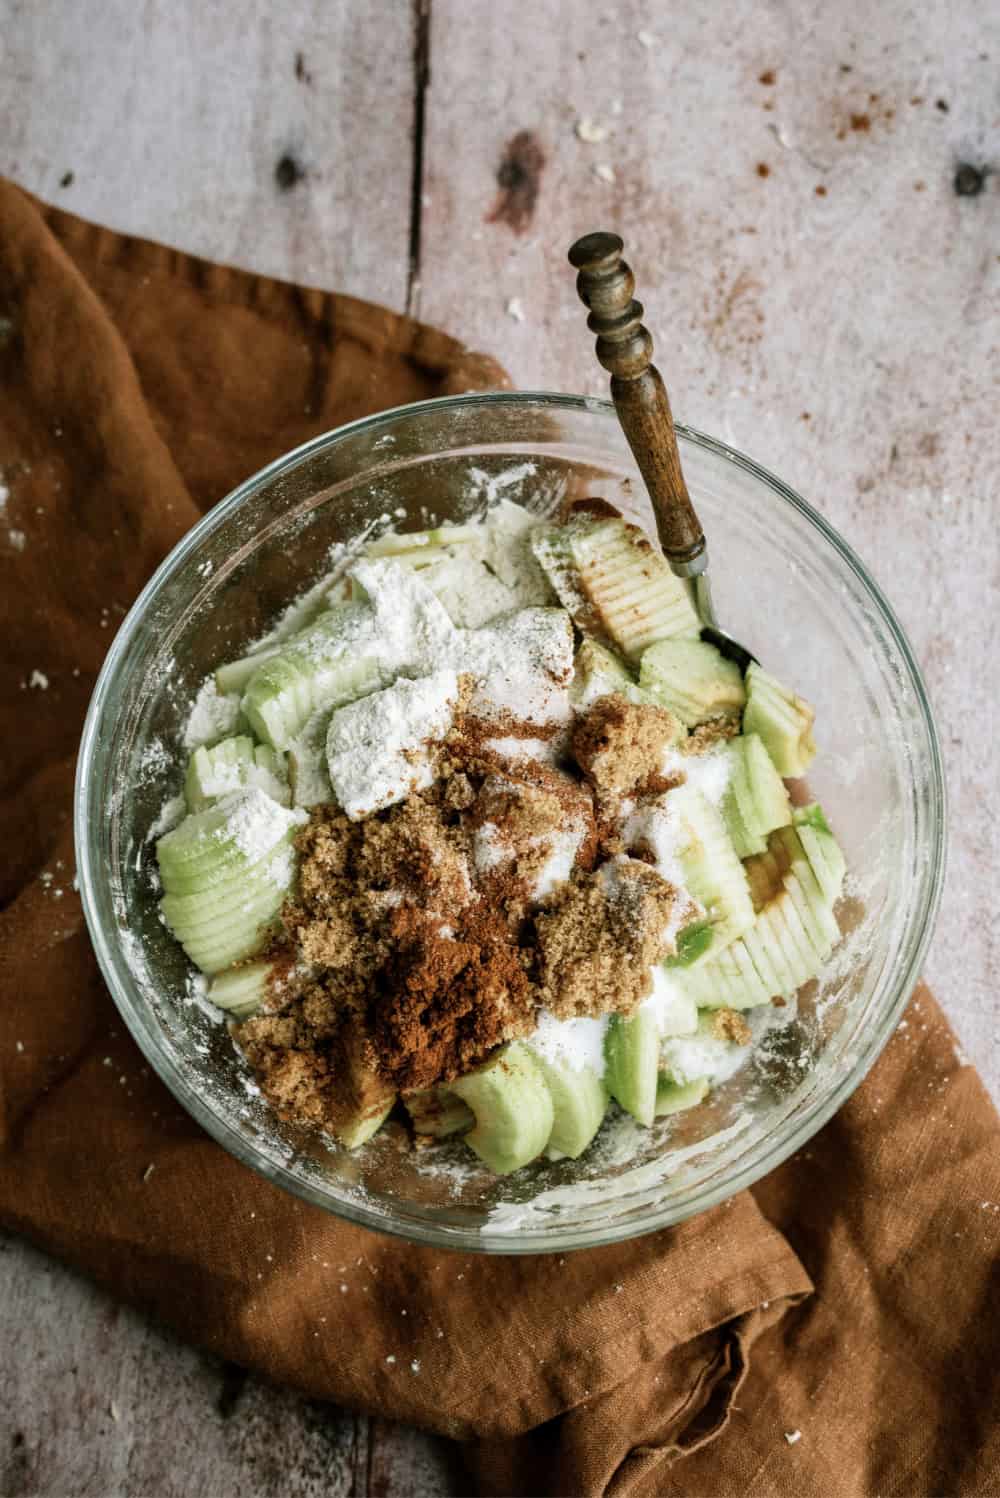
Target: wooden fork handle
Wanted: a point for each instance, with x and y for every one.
(625, 348)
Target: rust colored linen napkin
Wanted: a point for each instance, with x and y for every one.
(138, 386)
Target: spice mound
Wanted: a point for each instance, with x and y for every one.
(424, 936)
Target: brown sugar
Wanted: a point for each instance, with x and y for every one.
(620, 745)
(520, 821)
(415, 849)
(729, 1024)
(599, 938)
(707, 735)
(310, 1069)
(522, 810)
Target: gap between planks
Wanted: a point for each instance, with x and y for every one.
(421, 83)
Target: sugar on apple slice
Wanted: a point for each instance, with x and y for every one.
(676, 1097)
(438, 1113)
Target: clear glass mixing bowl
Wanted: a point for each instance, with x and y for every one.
(785, 583)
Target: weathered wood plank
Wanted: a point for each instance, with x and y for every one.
(407, 1463)
(172, 120)
(821, 295)
(97, 1403)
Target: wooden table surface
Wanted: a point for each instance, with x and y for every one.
(808, 192)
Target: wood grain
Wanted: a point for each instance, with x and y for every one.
(831, 302)
(96, 1402)
(278, 138)
(834, 317)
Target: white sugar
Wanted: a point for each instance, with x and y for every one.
(378, 747)
(689, 1057)
(707, 773)
(489, 848)
(574, 1043)
(653, 825)
(511, 748)
(674, 1011)
(563, 846)
(705, 1054)
(684, 910)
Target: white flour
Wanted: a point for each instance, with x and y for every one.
(412, 631)
(212, 717)
(378, 748)
(254, 823)
(171, 812)
(468, 590)
(522, 666)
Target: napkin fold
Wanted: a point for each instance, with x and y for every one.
(832, 1332)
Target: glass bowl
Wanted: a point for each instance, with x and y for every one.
(785, 584)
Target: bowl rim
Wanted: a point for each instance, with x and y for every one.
(792, 1132)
